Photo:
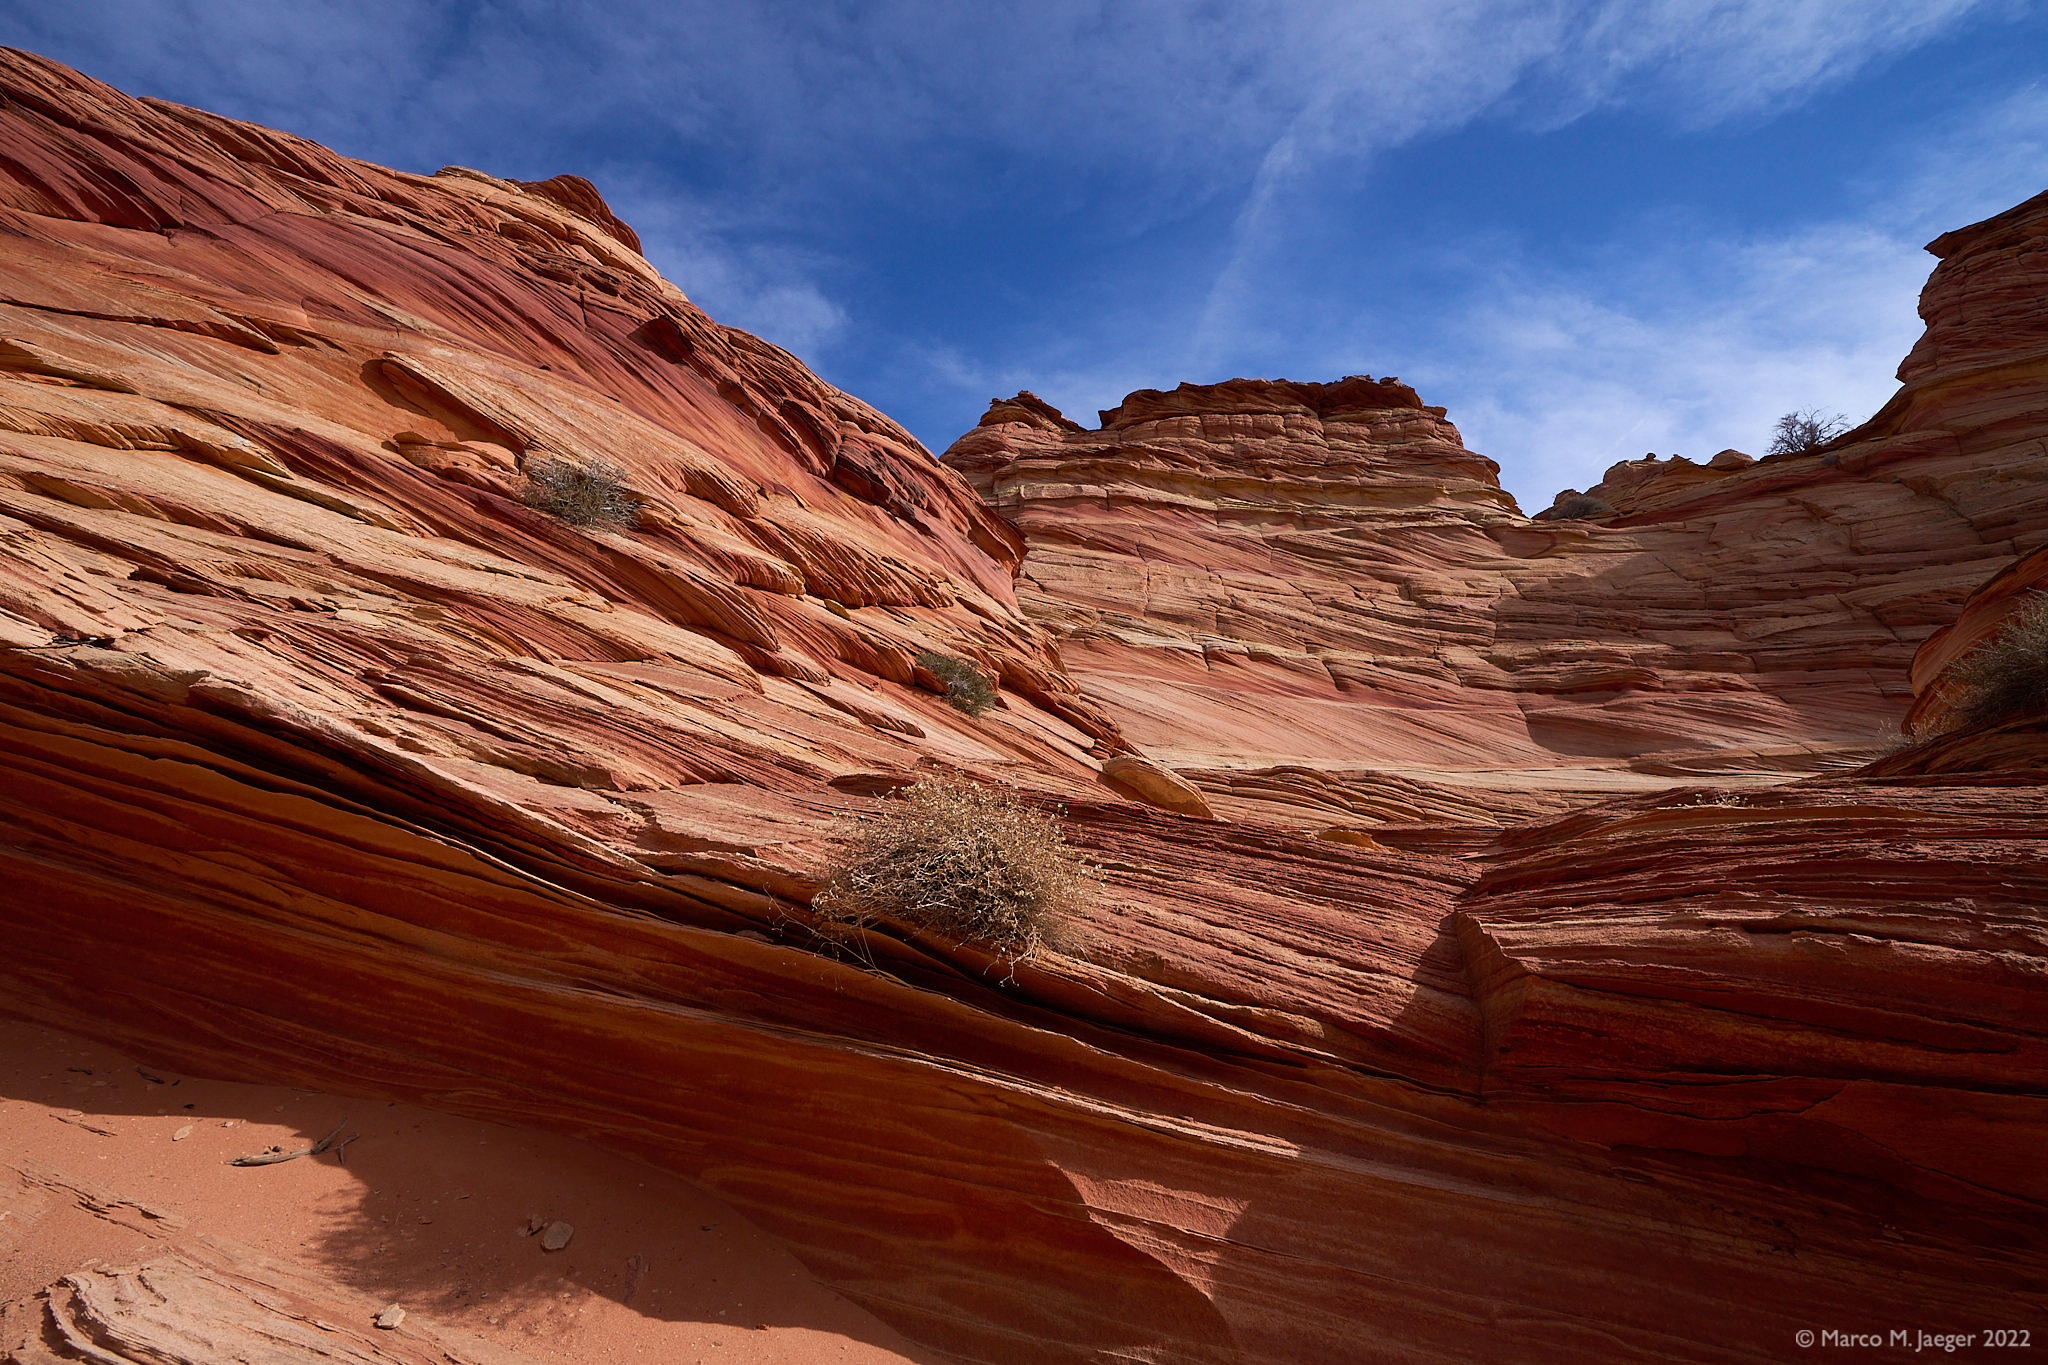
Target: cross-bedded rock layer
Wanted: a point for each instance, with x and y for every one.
(1265, 575)
(328, 759)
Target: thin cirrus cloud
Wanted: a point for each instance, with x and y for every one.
(1692, 344)
(935, 202)
(349, 75)
(1577, 378)
(1710, 60)
(1188, 98)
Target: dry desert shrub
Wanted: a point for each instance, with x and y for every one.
(967, 687)
(1581, 507)
(965, 861)
(1805, 430)
(2006, 679)
(587, 492)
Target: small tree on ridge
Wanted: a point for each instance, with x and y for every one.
(1808, 429)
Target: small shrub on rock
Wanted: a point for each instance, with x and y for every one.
(1809, 429)
(2007, 679)
(1578, 507)
(967, 687)
(965, 861)
(582, 492)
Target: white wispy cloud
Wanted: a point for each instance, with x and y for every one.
(1703, 61)
(1558, 376)
(1965, 170)
(351, 75)
(1675, 342)
(732, 265)
(1690, 62)
(1186, 97)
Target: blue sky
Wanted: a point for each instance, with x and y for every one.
(1590, 229)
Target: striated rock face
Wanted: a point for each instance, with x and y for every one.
(1844, 974)
(1262, 576)
(259, 393)
(326, 759)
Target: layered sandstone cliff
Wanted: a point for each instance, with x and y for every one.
(1321, 580)
(324, 758)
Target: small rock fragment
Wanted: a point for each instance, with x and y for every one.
(77, 1119)
(534, 1223)
(556, 1236)
(182, 1133)
(389, 1317)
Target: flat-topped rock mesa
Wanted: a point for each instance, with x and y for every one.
(1302, 447)
(1320, 579)
(327, 760)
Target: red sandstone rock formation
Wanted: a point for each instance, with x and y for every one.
(323, 758)
(1252, 576)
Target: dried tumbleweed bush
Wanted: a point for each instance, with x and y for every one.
(967, 687)
(968, 862)
(1807, 429)
(2007, 679)
(582, 492)
(1583, 507)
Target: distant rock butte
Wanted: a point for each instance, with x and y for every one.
(325, 760)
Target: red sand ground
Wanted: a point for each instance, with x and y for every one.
(428, 1212)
